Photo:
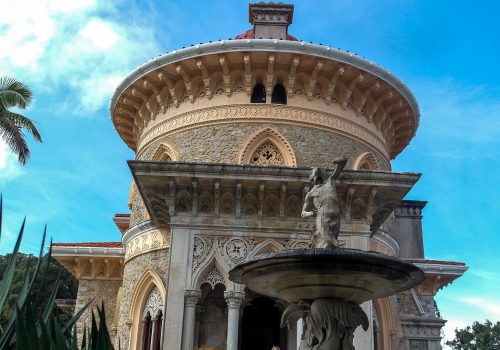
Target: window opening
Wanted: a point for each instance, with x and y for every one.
(279, 95)
(258, 94)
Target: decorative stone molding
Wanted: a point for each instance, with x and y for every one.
(271, 113)
(347, 80)
(281, 154)
(366, 161)
(191, 297)
(213, 277)
(229, 251)
(148, 241)
(154, 303)
(165, 153)
(234, 299)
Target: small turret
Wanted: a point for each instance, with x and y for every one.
(270, 20)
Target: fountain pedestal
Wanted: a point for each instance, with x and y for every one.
(325, 287)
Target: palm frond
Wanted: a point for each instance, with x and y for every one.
(22, 122)
(14, 93)
(14, 138)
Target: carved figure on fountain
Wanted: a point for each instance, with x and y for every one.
(322, 201)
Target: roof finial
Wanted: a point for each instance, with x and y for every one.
(270, 20)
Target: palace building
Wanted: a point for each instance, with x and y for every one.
(225, 134)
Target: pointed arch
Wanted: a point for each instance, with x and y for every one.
(265, 247)
(148, 281)
(268, 142)
(206, 272)
(165, 153)
(366, 161)
(385, 322)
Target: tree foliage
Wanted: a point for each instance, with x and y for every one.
(478, 337)
(28, 330)
(25, 264)
(14, 94)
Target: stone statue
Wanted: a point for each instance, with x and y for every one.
(328, 324)
(322, 201)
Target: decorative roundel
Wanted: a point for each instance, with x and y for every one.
(236, 249)
(199, 247)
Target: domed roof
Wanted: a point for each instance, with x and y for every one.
(250, 34)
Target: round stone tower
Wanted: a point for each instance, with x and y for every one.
(198, 118)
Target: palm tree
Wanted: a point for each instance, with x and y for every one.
(15, 94)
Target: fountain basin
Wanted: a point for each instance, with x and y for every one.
(308, 274)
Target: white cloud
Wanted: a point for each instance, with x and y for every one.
(9, 166)
(74, 45)
(490, 308)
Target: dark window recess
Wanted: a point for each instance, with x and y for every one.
(279, 95)
(258, 94)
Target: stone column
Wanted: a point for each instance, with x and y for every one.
(299, 330)
(234, 300)
(199, 314)
(191, 297)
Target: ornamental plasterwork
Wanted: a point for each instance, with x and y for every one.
(146, 242)
(249, 113)
(267, 154)
(154, 303)
(231, 251)
(213, 277)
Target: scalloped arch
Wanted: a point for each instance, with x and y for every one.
(260, 138)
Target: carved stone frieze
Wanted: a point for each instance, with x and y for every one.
(147, 241)
(255, 113)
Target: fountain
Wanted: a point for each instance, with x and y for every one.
(325, 285)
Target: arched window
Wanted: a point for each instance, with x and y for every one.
(267, 147)
(279, 95)
(146, 329)
(258, 94)
(151, 327)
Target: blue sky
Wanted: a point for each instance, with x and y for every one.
(74, 53)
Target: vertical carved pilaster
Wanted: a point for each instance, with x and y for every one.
(194, 184)
(171, 196)
(370, 210)
(348, 209)
(283, 199)
(238, 200)
(216, 198)
(261, 199)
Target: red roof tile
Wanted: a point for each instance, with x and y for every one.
(249, 34)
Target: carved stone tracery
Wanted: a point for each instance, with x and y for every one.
(154, 303)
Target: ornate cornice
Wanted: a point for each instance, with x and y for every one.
(148, 241)
(187, 75)
(269, 113)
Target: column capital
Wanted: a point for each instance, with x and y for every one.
(234, 299)
(191, 297)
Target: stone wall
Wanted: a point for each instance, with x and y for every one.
(101, 291)
(157, 261)
(222, 143)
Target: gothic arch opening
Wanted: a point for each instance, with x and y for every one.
(164, 153)
(366, 161)
(211, 320)
(267, 147)
(384, 324)
(258, 94)
(145, 312)
(279, 95)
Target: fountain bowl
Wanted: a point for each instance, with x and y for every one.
(308, 274)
